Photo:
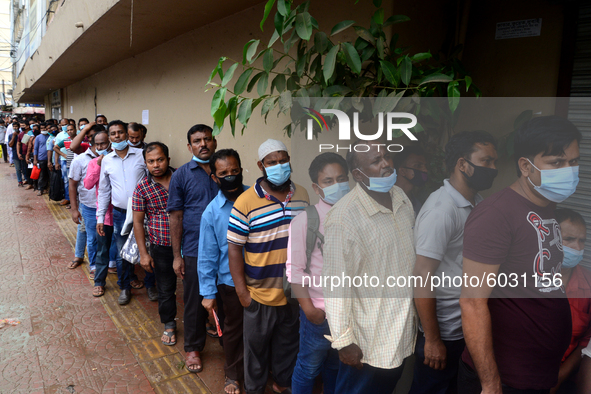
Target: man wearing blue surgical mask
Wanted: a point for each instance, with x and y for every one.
(517, 334)
(121, 170)
(257, 251)
(191, 190)
(330, 181)
(369, 234)
(577, 283)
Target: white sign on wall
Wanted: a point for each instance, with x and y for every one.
(146, 116)
(516, 29)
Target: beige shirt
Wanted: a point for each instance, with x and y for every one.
(365, 239)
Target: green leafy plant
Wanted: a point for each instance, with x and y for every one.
(301, 61)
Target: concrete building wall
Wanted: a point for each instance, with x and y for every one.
(169, 80)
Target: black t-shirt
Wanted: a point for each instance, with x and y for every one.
(531, 324)
(14, 147)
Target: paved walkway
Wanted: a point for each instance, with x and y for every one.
(69, 341)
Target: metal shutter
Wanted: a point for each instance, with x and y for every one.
(579, 113)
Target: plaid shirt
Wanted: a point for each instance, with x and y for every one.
(151, 197)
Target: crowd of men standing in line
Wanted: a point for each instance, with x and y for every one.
(232, 245)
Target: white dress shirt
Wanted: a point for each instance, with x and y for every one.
(78, 173)
(8, 136)
(119, 177)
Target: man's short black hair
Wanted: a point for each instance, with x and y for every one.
(322, 160)
(462, 145)
(563, 214)
(352, 155)
(222, 154)
(99, 130)
(138, 127)
(197, 128)
(155, 145)
(400, 158)
(83, 120)
(117, 123)
(100, 116)
(548, 135)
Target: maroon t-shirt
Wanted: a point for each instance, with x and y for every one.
(23, 146)
(531, 325)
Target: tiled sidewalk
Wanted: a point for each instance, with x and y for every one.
(69, 341)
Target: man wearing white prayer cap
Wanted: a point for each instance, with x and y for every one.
(259, 225)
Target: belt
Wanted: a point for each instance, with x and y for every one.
(119, 209)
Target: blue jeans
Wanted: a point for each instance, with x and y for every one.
(89, 215)
(113, 252)
(427, 380)
(64, 167)
(123, 266)
(80, 240)
(102, 256)
(25, 170)
(17, 167)
(368, 379)
(315, 357)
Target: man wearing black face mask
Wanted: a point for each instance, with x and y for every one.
(213, 264)
(411, 167)
(470, 159)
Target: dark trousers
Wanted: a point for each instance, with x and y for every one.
(123, 267)
(468, 383)
(368, 379)
(427, 380)
(163, 258)
(103, 245)
(232, 332)
(43, 175)
(196, 315)
(269, 331)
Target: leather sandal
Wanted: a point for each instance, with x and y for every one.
(193, 359)
(98, 291)
(231, 383)
(137, 284)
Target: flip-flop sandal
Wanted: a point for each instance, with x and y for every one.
(192, 359)
(211, 331)
(230, 382)
(98, 291)
(75, 264)
(169, 334)
(91, 275)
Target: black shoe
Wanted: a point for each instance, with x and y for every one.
(125, 297)
(152, 294)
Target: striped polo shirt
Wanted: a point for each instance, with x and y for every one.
(260, 223)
